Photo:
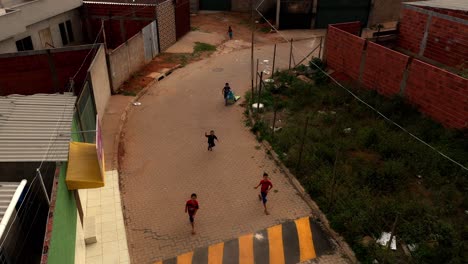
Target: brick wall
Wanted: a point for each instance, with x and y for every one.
(166, 24)
(121, 27)
(435, 92)
(447, 42)
(350, 27)
(453, 13)
(447, 35)
(383, 69)
(438, 93)
(344, 51)
(33, 72)
(412, 26)
(182, 17)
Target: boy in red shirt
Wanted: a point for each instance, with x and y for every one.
(191, 207)
(266, 187)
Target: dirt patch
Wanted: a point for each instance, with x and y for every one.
(240, 23)
(152, 70)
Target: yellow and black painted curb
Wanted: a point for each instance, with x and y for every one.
(289, 243)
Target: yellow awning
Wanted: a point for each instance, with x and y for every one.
(83, 167)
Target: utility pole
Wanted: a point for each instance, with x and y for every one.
(278, 8)
(252, 48)
(274, 59)
(290, 53)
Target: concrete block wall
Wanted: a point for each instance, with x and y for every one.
(438, 93)
(126, 59)
(100, 81)
(166, 24)
(383, 69)
(344, 51)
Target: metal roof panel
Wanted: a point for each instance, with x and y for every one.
(35, 127)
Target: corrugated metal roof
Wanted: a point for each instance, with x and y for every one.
(10, 193)
(446, 4)
(7, 190)
(29, 123)
(125, 2)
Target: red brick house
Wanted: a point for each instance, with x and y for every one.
(124, 18)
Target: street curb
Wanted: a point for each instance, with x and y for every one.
(123, 116)
(316, 212)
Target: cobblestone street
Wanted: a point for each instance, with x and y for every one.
(164, 159)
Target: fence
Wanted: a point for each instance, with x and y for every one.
(133, 54)
(436, 92)
(43, 71)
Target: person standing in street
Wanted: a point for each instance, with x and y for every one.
(191, 207)
(266, 187)
(225, 92)
(211, 140)
(230, 32)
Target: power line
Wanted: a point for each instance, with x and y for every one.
(57, 124)
(18, 211)
(363, 102)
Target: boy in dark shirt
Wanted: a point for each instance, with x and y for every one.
(266, 187)
(191, 207)
(211, 138)
(226, 91)
(230, 32)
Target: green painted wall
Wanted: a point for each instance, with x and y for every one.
(62, 244)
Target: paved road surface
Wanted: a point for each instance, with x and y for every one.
(166, 159)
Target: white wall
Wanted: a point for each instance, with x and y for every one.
(33, 12)
(9, 45)
(80, 247)
(100, 80)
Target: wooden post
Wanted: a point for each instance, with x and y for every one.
(278, 8)
(290, 53)
(259, 92)
(274, 59)
(274, 119)
(302, 144)
(320, 49)
(252, 61)
(256, 76)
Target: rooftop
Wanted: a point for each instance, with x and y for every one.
(35, 127)
(445, 4)
(126, 2)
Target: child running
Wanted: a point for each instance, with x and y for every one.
(211, 140)
(191, 207)
(230, 32)
(266, 187)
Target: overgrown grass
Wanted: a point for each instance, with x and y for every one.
(365, 172)
(202, 47)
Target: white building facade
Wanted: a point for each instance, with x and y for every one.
(39, 24)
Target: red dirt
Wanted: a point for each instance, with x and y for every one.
(240, 23)
(214, 23)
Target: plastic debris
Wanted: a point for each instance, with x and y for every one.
(136, 103)
(385, 238)
(347, 130)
